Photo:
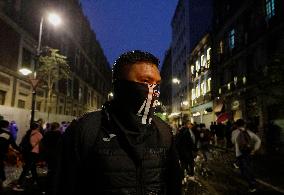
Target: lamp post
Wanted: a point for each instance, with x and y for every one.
(54, 20)
(177, 82)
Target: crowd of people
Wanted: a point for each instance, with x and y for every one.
(38, 145)
(195, 138)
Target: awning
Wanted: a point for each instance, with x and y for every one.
(218, 108)
(222, 117)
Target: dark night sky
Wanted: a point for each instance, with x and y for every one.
(123, 25)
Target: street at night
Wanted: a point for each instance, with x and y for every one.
(124, 97)
(221, 178)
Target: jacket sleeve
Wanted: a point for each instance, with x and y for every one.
(67, 170)
(174, 177)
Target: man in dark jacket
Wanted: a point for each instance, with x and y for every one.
(6, 140)
(123, 149)
(186, 147)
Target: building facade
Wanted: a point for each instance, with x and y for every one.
(166, 85)
(191, 20)
(248, 57)
(90, 80)
(200, 71)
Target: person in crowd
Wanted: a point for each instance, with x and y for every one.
(186, 147)
(6, 140)
(204, 140)
(228, 134)
(124, 148)
(220, 134)
(13, 129)
(246, 144)
(49, 151)
(31, 157)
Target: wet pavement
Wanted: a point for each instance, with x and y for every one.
(217, 176)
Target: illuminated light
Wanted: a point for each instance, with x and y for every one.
(185, 103)
(25, 71)
(220, 90)
(164, 113)
(205, 112)
(174, 114)
(176, 81)
(229, 86)
(235, 80)
(196, 114)
(244, 80)
(54, 19)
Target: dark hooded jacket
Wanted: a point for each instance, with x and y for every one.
(96, 158)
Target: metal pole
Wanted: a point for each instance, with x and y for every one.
(35, 68)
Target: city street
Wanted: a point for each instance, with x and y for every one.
(219, 177)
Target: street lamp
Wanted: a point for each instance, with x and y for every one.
(109, 96)
(177, 82)
(54, 20)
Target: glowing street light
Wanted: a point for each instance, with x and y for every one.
(25, 71)
(54, 19)
(176, 81)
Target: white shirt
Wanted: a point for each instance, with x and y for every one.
(254, 137)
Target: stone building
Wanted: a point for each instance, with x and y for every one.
(248, 57)
(90, 80)
(200, 74)
(191, 20)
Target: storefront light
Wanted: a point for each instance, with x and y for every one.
(244, 80)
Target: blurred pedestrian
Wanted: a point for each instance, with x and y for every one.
(30, 157)
(246, 144)
(6, 140)
(186, 147)
(49, 145)
(125, 148)
(13, 129)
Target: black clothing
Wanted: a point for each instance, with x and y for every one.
(6, 139)
(98, 159)
(186, 148)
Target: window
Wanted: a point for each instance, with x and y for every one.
(202, 60)
(80, 94)
(208, 84)
(60, 109)
(26, 58)
(197, 91)
(221, 47)
(38, 106)
(208, 57)
(192, 69)
(270, 9)
(192, 94)
(21, 104)
(2, 97)
(203, 89)
(232, 39)
(197, 65)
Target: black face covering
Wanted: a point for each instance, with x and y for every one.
(137, 98)
(132, 109)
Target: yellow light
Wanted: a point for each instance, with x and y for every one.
(25, 71)
(176, 80)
